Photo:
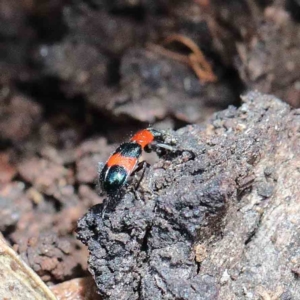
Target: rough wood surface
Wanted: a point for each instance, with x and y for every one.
(222, 225)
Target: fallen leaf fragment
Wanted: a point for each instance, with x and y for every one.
(18, 281)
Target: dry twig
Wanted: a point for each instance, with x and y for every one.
(196, 59)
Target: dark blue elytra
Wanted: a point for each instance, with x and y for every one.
(113, 178)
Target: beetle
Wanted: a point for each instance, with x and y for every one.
(124, 161)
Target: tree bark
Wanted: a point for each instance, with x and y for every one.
(220, 224)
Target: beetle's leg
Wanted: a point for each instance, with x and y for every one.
(159, 146)
(105, 204)
(143, 165)
(156, 145)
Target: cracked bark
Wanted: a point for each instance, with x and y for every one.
(225, 223)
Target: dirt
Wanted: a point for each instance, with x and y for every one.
(265, 51)
(76, 289)
(79, 77)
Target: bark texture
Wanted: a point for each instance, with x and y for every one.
(220, 225)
